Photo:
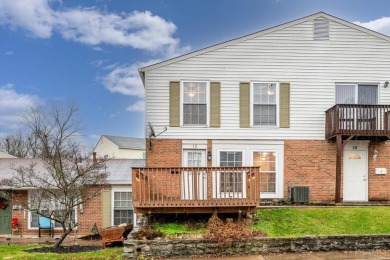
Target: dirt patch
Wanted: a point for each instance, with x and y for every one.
(64, 249)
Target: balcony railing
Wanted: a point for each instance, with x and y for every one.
(158, 189)
(359, 120)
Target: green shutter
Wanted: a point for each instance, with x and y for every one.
(215, 104)
(106, 208)
(244, 105)
(174, 103)
(284, 116)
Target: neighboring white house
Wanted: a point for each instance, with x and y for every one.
(120, 147)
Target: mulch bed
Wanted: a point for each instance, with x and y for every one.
(64, 249)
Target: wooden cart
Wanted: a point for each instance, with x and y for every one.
(115, 234)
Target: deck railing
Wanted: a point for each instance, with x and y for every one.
(359, 120)
(196, 187)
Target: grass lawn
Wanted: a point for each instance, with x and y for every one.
(177, 228)
(294, 222)
(16, 252)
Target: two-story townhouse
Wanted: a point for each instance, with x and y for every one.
(307, 101)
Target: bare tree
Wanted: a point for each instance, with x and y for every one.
(20, 145)
(60, 180)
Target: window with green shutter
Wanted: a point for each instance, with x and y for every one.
(264, 104)
(244, 104)
(194, 103)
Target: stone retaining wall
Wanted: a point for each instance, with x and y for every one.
(169, 248)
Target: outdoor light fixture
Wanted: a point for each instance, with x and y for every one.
(375, 154)
(386, 84)
(209, 155)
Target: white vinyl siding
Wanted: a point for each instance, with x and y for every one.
(289, 55)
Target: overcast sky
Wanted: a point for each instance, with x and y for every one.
(89, 51)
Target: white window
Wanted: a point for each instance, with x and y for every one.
(272, 164)
(354, 117)
(267, 162)
(122, 207)
(363, 94)
(264, 104)
(34, 219)
(195, 103)
(230, 184)
(47, 206)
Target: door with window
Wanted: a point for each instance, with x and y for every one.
(231, 183)
(355, 176)
(194, 178)
(352, 117)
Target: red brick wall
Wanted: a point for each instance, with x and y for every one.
(164, 153)
(92, 214)
(310, 163)
(379, 185)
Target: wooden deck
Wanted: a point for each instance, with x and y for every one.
(195, 190)
(365, 121)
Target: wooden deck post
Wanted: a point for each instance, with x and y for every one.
(149, 220)
(339, 153)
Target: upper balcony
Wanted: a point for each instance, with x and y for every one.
(196, 189)
(367, 121)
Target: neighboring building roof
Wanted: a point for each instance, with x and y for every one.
(257, 34)
(119, 169)
(127, 142)
(6, 155)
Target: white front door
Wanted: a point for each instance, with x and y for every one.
(355, 176)
(194, 158)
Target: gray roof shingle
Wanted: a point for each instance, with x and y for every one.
(127, 142)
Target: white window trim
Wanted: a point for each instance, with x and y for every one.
(356, 90)
(277, 104)
(113, 190)
(249, 146)
(277, 175)
(216, 176)
(207, 103)
(55, 228)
